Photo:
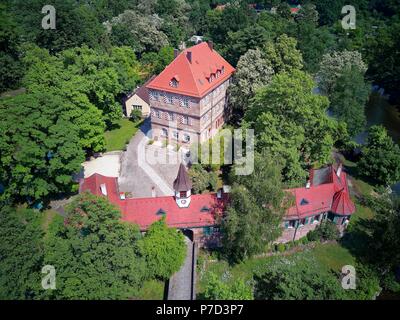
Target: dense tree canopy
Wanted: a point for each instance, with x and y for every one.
(291, 123)
(253, 72)
(21, 252)
(164, 249)
(254, 215)
(94, 253)
(39, 145)
(380, 159)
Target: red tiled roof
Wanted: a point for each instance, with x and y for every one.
(193, 76)
(331, 195)
(143, 211)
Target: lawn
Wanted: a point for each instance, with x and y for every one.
(151, 290)
(116, 139)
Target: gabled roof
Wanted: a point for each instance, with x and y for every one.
(142, 92)
(193, 72)
(327, 192)
(182, 181)
(145, 211)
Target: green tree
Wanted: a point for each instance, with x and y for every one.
(252, 73)
(94, 253)
(255, 212)
(380, 160)
(202, 179)
(218, 290)
(164, 249)
(291, 123)
(348, 100)
(11, 69)
(384, 229)
(21, 251)
(283, 54)
(39, 145)
(239, 42)
(140, 32)
(334, 64)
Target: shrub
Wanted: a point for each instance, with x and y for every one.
(135, 115)
(281, 247)
(327, 230)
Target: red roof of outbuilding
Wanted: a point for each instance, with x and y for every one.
(193, 76)
(326, 193)
(204, 209)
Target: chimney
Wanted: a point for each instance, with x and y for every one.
(189, 56)
(308, 184)
(153, 192)
(176, 53)
(339, 170)
(210, 44)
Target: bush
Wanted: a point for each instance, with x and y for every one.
(327, 230)
(281, 247)
(135, 115)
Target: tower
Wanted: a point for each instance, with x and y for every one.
(182, 187)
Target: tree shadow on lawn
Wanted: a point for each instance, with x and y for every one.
(357, 239)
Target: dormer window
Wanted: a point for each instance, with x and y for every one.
(205, 209)
(160, 212)
(174, 83)
(222, 70)
(304, 202)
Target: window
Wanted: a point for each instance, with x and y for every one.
(164, 132)
(205, 209)
(185, 120)
(153, 95)
(173, 83)
(222, 70)
(176, 135)
(186, 138)
(292, 224)
(168, 98)
(304, 202)
(184, 101)
(161, 211)
(169, 116)
(182, 194)
(137, 107)
(157, 114)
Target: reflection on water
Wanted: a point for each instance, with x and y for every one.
(379, 111)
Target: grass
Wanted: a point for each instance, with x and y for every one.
(333, 256)
(116, 139)
(151, 290)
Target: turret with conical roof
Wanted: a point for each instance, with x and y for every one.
(182, 186)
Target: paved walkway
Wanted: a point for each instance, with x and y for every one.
(182, 284)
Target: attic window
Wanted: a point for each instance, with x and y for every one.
(222, 70)
(160, 212)
(174, 83)
(205, 209)
(303, 202)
